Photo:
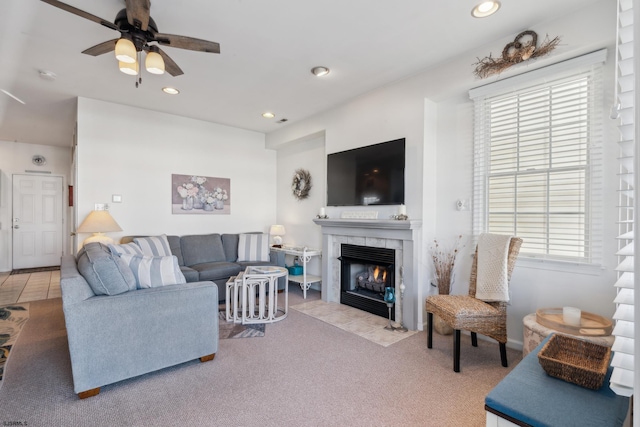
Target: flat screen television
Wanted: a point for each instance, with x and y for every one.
(371, 175)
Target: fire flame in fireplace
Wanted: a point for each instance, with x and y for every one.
(379, 274)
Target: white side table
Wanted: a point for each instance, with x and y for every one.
(305, 254)
(233, 294)
(261, 283)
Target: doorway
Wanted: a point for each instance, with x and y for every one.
(37, 221)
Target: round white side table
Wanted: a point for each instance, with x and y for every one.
(534, 333)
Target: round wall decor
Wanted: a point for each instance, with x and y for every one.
(39, 160)
(301, 184)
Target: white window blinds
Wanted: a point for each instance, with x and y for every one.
(538, 160)
(622, 378)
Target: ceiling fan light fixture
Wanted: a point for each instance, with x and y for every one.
(320, 71)
(170, 90)
(128, 68)
(486, 8)
(154, 63)
(125, 50)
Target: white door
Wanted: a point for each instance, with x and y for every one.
(37, 221)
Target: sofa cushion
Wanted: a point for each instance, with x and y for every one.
(125, 248)
(217, 270)
(230, 246)
(174, 245)
(190, 274)
(201, 248)
(253, 247)
(154, 245)
(105, 272)
(154, 271)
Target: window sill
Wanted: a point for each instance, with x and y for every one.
(561, 266)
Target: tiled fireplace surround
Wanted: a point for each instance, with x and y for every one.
(402, 236)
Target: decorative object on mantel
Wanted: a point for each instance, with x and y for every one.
(443, 262)
(402, 214)
(522, 48)
(322, 214)
(301, 184)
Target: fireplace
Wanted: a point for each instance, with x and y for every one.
(364, 273)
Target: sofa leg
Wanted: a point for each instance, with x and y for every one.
(207, 357)
(89, 393)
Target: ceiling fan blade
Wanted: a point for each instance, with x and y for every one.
(169, 65)
(138, 13)
(81, 13)
(190, 43)
(102, 48)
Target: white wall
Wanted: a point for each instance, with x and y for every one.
(15, 158)
(133, 152)
(297, 215)
(439, 169)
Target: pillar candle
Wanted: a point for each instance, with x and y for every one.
(402, 210)
(321, 212)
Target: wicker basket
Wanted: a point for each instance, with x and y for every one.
(576, 361)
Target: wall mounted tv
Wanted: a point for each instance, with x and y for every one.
(371, 175)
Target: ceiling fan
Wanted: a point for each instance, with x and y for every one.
(137, 29)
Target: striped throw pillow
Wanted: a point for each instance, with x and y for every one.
(154, 271)
(154, 245)
(253, 247)
(126, 248)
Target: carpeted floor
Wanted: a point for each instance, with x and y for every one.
(303, 372)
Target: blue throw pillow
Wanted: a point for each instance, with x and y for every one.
(105, 272)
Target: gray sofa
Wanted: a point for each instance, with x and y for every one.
(119, 336)
(212, 257)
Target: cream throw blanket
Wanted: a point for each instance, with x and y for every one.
(492, 282)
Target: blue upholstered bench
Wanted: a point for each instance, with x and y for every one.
(527, 396)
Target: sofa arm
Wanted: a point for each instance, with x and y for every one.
(112, 338)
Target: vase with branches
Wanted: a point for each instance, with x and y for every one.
(444, 259)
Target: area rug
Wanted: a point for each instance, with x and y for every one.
(238, 330)
(35, 270)
(358, 322)
(12, 319)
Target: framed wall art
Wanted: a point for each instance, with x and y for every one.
(200, 195)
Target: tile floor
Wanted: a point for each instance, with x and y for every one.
(351, 319)
(29, 286)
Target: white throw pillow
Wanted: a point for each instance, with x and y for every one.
(253, 247)
(154, 271)
(126, 248)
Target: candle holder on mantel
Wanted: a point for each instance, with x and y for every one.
(322, 216)
(400, 217)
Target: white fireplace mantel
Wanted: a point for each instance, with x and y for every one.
(403, 236)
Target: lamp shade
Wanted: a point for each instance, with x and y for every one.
(99, 222)
(125, 50)
(154, 62)
(277, 231)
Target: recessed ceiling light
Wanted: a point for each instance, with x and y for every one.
(320, 71)
(268, 115)
(170, 90)
(485, 9)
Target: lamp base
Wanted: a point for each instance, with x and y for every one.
(98, 237)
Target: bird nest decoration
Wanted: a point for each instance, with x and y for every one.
(301, 184)
(523, 47)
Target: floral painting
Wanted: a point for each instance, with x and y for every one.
(193, 194)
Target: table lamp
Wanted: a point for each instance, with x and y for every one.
(277, 231)
(98, 223)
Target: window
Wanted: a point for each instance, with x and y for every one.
(538, 162)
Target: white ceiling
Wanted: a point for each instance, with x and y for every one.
(267, 51)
